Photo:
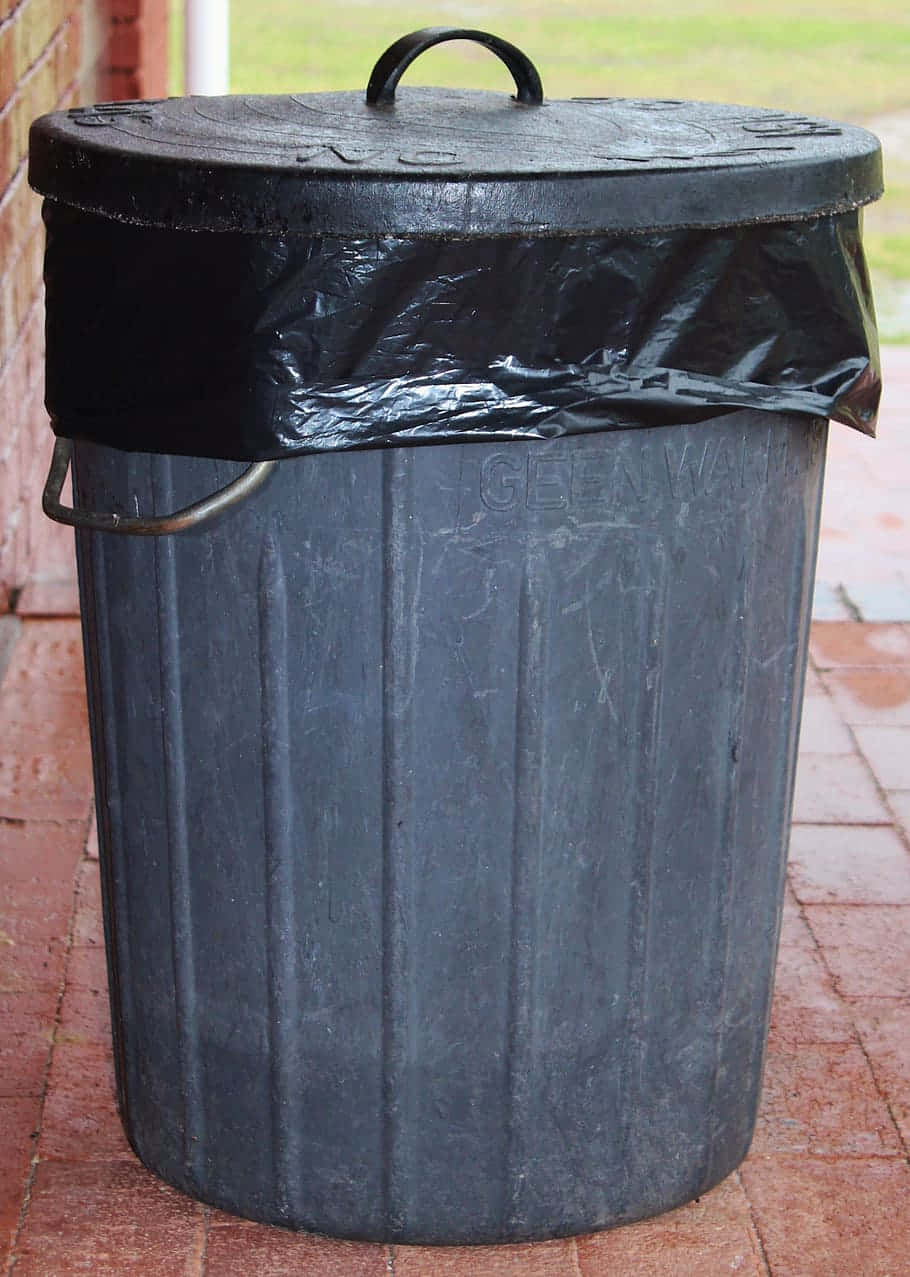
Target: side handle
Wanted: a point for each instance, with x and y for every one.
(103, 521)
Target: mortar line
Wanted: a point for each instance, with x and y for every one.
(11, 16)
(852, 608)
(753, 1220)
(204, 1248)
(879, 788)
(46, 55)
(576, 1258)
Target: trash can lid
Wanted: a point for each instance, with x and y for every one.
(448, 162)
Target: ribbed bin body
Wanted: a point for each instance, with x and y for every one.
(443, 797)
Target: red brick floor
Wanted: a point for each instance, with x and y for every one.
(825, 1191)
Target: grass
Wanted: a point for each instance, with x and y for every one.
(891, 254)
(842, 59)
(808, 58)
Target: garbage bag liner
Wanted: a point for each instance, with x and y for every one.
(241, 346)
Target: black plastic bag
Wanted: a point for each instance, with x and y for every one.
(239, 346)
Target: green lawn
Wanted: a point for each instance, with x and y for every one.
(845, 59)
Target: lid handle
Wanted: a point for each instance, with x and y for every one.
(399, 56)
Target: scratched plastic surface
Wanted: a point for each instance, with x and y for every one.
(245, 346)
(443, 797)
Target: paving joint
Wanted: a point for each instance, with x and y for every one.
(576, 1258)
(852, 608)
(204, 1239)
(884, 794)
(9, 633)
(756, 1236)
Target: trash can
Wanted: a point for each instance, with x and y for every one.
(443, 791)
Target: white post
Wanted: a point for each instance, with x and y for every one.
(205, 45)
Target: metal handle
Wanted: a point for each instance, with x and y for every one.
(102, 521)
(399, 56)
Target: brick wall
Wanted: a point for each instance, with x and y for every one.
(53, 54)
(137, 51)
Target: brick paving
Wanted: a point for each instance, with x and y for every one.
(825, 1190)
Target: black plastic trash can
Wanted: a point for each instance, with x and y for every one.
(444, 791)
